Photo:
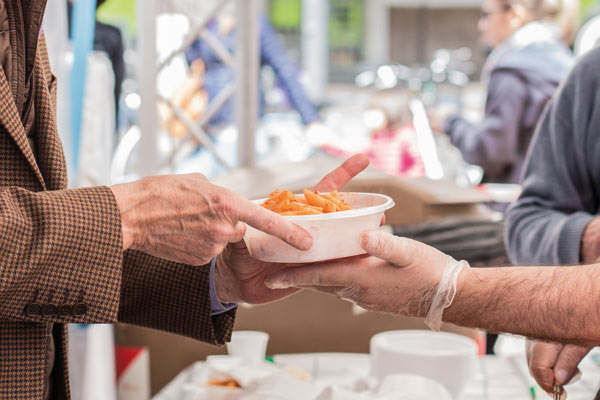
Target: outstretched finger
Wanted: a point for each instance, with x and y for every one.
(274, 224)
(337, 178)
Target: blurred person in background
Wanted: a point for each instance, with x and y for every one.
(392, 145)
(555, 220)
(530, 58)
(272, 53)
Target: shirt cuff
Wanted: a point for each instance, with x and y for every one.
(216, 307)
(570, 238)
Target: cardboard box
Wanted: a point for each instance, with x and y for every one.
(420, 200)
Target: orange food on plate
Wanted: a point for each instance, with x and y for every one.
(311, 203)
(230, 383)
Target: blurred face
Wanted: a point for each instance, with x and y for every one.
(496, 23)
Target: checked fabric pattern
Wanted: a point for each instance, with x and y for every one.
(60, 246)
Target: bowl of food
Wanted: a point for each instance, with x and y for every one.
(335, 221)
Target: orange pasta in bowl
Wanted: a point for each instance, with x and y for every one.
(310, 203)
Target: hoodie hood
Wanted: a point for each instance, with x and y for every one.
(550, 61)
(534, 49)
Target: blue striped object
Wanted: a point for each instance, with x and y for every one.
(83, 24)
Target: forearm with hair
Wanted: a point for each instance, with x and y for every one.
(556, 304)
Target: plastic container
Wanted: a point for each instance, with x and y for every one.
(249, 346)
(444, 357)
(335, 235)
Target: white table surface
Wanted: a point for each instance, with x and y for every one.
(498, 377)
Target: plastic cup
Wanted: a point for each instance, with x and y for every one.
(249, 346)
(447, 358)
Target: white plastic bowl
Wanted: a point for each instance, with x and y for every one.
(447, 358)
(335, 235)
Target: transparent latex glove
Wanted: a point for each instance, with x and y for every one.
(402, 277)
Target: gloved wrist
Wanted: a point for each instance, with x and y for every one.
(444, 295)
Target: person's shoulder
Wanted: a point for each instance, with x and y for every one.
(575, 98)
(583, 81)
(587, 66)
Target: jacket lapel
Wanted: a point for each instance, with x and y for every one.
(10, 119)
(51, 157)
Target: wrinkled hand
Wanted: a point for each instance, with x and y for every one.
(241, 279)
(187, 219)
(400, 278)
(551, 363)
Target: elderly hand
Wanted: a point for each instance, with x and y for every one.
(551, 363)
(241, 279)
(400, 278)
(187, 219)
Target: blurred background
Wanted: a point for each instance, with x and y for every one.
(270, 94)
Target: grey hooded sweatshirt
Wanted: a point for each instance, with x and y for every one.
(561, 180)
(522, 75)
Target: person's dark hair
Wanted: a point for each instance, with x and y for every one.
(564, 12)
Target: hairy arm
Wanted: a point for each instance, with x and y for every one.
(403, 276)
(555, 304)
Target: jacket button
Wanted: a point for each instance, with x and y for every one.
(33, 310)
(64, 310)
(49, 310)
(79, 309)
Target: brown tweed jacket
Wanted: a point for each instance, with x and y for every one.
(61, 258)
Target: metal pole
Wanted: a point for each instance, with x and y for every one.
(247, 57)
(377, 32)
(146, 13)
(83, 37)
(315, 43)
(194, 32)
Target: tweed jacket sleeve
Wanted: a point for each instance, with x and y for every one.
(64, 247)
(171, 297)
(58, 248)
